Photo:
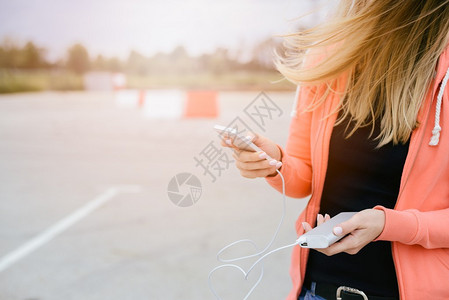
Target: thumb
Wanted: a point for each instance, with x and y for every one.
(345, 227)
(260, 141)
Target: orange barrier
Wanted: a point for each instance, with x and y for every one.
(141, 101)
(201, 104)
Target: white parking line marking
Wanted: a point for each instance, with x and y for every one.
(49, 234)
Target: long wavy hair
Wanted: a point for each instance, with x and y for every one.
(387, 48)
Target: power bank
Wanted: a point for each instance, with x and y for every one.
(322, 236)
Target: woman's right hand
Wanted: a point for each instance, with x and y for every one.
(255, 164)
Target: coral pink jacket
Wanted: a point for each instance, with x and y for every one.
(418, 227)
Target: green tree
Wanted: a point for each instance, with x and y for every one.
(11, 55)
(3, 57)
(114, 64)
(179, 61)
(263, 54)
(32, 56)
(78, 59)
(137, 63)
(219, 62)
(100, 63)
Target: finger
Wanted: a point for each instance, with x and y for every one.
(306, 226)
(248, 156)
(346, 227)
(326, 217)
(224, 135)
(226, 140)
(243, 143)
(226, 143)
(348, 244)
(353, 250)
(253, 137)
(275, 163)
(319, 219)
(255, 173)
(255, 165)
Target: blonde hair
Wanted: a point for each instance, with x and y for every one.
(387, 48)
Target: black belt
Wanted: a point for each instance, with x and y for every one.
(331, 292)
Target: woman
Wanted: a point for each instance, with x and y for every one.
(370, 133)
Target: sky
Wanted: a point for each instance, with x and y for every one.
(114, 27)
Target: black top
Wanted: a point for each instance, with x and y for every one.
(359, 177)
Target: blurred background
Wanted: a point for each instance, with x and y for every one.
(113, 182)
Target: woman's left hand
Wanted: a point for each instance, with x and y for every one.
(361, 229)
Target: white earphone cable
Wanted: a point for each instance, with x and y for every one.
(261, 252)
(250, 241)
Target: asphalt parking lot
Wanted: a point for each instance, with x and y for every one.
(97, 175)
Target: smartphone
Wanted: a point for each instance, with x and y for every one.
(240, 141)
(323, 236)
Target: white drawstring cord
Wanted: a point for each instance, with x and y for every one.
(294, 112)
(437, 128)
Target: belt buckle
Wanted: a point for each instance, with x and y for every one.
(350, 290)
